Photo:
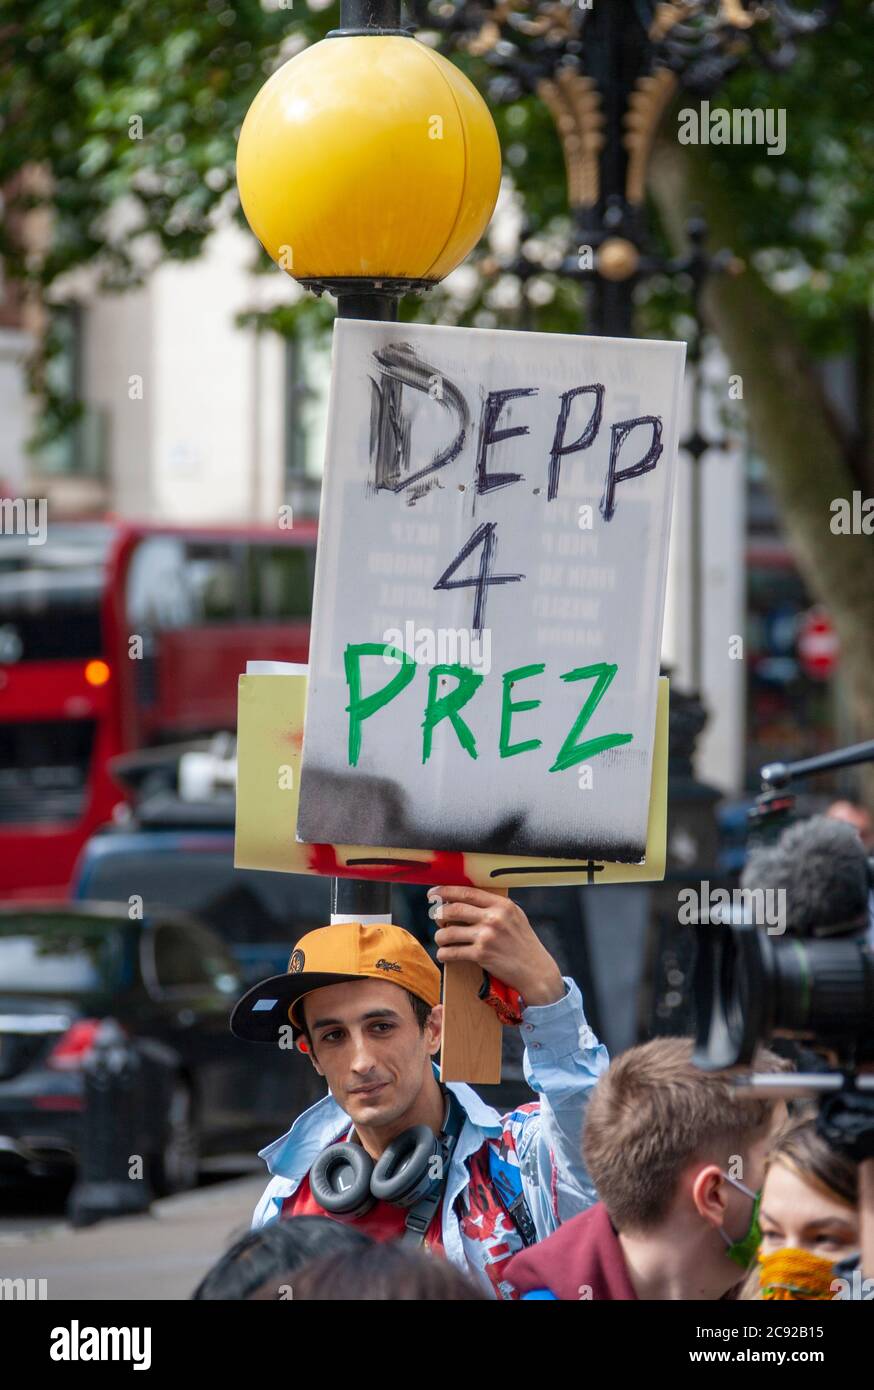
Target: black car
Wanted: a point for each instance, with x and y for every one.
(259, 915)
(170, 982)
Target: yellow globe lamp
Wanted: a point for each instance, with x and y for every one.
(368, 157)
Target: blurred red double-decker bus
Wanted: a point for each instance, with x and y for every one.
(115, 637)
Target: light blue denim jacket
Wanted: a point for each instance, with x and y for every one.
(563, 1060)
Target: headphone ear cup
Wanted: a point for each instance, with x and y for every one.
(403, 1172)
(340, 1180)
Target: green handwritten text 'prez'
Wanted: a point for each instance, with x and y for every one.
(447, 707)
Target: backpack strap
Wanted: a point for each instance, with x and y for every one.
(507, 1182)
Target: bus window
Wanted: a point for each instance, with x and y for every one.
(50, 601)
(173, 583)
(50, 596)
(280, 581)
(158, 596)
(214, 580)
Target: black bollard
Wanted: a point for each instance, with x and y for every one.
(111, 1125)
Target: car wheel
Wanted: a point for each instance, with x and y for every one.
(177, 1167)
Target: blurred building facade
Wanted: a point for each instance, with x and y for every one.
(186, 417)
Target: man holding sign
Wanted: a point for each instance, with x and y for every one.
(390, 1148)
(483, 679)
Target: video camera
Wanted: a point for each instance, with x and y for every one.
(816, 988)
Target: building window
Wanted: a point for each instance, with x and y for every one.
(307, 375)
(80, 450)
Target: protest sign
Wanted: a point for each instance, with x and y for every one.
(489, 592)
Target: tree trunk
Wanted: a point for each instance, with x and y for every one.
(809, 460)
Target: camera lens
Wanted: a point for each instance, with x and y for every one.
(824, 990)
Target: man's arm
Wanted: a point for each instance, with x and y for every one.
(563, 1061)
(563, 1058)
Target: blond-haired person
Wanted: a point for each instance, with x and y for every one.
(677, 1157)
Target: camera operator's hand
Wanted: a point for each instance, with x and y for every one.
(492, 931)
(846, 1122)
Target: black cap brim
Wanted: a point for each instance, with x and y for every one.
(263, 1010)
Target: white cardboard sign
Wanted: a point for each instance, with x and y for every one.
(489, 591)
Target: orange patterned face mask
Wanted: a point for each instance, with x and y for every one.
(796, 1274)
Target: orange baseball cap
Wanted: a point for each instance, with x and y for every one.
(335, 955)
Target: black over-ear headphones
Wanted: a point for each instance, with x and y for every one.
(346, 1182)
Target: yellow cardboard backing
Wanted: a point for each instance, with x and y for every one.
(270, 715)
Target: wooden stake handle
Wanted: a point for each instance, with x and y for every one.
(472, 1032)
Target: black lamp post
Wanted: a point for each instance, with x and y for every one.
(355, 300)
(608, 72)
(369, 17)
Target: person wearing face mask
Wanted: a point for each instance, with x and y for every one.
(677, 1158)
(809, 1220)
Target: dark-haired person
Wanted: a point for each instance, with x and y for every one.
(273, 1253)
(859, 817)
(384, 1272)
(390, 1148)
(677, 1157)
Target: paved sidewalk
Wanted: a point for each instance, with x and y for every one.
(159, 1256)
